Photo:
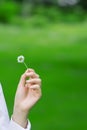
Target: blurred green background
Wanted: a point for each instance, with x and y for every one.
(52, 35)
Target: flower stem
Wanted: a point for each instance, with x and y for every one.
(25, 65)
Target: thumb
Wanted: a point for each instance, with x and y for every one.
(23, 78)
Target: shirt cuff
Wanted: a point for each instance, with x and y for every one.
(15, 126)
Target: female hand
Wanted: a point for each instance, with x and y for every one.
(28, 93)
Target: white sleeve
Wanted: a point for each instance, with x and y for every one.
(3, 106)
(15, 126)
(4, 117)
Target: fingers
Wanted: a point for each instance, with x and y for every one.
(35, 86)
(37, 90)
(32, 75)
(29, 70)
(34, 81)
(34, 78)
(22, 80)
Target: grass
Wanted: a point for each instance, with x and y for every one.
(59, 54)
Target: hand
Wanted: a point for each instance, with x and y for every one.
(28, 93)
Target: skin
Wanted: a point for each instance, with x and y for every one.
(27, 94)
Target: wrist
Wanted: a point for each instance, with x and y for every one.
(20, 117)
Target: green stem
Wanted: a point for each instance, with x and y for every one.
(25, 65)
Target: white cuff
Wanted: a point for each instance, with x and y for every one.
(15, 126)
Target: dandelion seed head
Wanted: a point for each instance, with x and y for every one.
(20, 59)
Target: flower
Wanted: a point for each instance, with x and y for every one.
(21, 59)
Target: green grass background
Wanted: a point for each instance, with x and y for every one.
(59, 54)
